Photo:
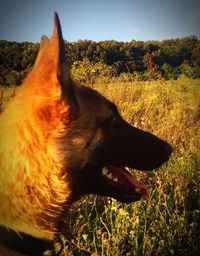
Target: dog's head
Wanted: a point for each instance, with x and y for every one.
(85, 133)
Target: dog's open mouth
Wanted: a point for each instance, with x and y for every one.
(121, 185)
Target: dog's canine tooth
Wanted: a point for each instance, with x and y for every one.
(115, 179)
(104, 171)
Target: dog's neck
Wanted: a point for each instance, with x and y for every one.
(21, 243)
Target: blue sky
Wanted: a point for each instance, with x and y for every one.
(122, 20)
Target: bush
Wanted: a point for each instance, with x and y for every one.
(13, 78)
(88, 73)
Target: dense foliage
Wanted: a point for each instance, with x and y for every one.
(168, 58)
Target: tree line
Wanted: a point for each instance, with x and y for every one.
(166, 59)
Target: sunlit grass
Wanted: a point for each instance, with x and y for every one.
(167, 223)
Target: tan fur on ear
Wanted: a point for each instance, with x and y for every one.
(51, 57)
(43, 42)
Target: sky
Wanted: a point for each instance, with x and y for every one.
(121, 20)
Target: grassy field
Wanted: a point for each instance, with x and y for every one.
(168, 222)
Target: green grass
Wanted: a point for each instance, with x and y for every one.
(6, 94)
(167, 223)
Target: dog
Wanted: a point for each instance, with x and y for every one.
(59, 141)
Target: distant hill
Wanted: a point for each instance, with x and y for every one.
(170, 58)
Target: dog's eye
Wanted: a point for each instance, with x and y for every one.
(114, 120)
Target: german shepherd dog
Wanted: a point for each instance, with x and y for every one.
(58, 142)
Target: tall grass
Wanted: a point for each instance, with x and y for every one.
(167, 223)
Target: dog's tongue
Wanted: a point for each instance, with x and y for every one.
(125, 178)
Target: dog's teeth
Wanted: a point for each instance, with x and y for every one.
(137, 190)
(104, 171)
(109, 176)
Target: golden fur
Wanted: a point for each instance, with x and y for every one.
(33, 183)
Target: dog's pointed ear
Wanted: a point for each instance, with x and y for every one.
(50, 64)
(44, 40)
(50, 78)
(57, 39)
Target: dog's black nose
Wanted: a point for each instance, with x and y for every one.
(167, 149)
